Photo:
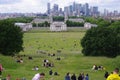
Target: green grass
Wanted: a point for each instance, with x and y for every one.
(71, 58)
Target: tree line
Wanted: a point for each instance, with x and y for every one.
(102, 41)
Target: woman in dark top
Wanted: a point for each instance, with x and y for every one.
(73, 77)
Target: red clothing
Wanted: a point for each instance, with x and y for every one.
(1, 67)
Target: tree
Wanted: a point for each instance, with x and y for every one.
(58, 18)
(34, 24)
(101, 41)
(74, 24)
(10, 38)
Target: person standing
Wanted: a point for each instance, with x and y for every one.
(106, 74)
(114, 76)
(38, 76)
(73, 77)
(67, 77)
(80, 77)
(1, 68)
(86, 77)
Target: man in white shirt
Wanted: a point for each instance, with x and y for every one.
(38, 76)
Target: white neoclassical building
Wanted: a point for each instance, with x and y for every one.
(58, 25)
(24, 26)
(89, 25)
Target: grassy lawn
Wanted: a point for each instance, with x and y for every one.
(50, 42)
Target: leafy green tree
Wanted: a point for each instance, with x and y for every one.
(10, 38)
(21, 19)
(103, 23)
(46, 24)
(74, 24)
(58, 18)
(34, 24)
(101, 41)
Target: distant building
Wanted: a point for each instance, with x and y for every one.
(48, 8)
(57, 25)
(40, 20)
(24, 26)
(86, 9)
(89, 25)
(77, 20)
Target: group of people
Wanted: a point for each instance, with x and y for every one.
(95, 67)
(113, 76)
(19, 60)
(51, 73)
(47, 63)
(80, 77)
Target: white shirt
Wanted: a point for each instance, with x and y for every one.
(36, 77)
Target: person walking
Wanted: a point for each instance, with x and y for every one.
(38, 76)
(114, 75)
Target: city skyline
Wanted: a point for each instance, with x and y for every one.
(37, 6)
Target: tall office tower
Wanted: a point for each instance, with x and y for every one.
(48, 8)
(86, 9)
(94, 11)
(78, 9)
(105, 12)
(74, 6)
(55, 8)
(116, 13)
(66, 10)
(60, 11)
(70, 10)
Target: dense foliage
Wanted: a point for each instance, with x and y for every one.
(10, 38)
(99, 21)
(101, 41)
(44, 24)
(58, 18)
(74, 24)
(21, 19)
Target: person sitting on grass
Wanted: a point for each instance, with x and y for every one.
(36, 68)
(38, 76)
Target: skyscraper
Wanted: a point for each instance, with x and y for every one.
(86, 9)
(94, 11)
(48, 8)
(55, 8)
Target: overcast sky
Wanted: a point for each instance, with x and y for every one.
(41, 5)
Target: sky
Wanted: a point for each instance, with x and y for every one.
(37, 6)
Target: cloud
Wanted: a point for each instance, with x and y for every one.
(41, 5)
(24, 6)
(9, 1)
